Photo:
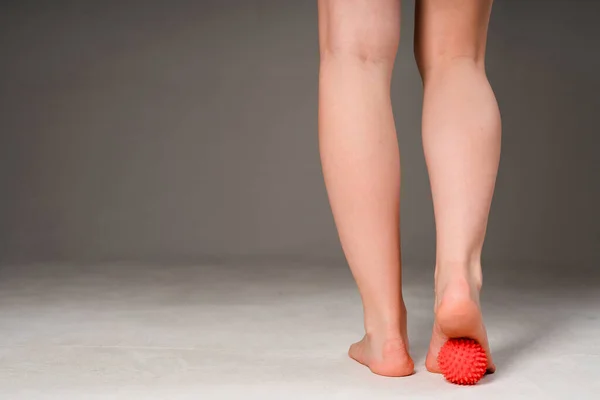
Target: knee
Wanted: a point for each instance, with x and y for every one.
(368, 46)
(440, 61)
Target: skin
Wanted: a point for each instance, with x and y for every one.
(361, 164)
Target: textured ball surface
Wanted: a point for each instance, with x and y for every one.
(462, 361)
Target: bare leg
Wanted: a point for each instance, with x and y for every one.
(359, 152)
(461, 137)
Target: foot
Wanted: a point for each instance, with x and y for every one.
(457, 314)
(384, 353)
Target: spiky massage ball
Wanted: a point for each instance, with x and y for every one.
(462, 361)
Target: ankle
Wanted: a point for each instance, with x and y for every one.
(382, 336)
(387, 325)
(470, 271)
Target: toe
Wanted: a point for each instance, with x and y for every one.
(356, 352)
(437, 341)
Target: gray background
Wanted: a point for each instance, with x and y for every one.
(171, 131)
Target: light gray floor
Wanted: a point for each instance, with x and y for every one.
(273, 331)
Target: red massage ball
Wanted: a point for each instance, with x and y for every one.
(462, 361)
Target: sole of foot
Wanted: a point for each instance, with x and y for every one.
(458, 315)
